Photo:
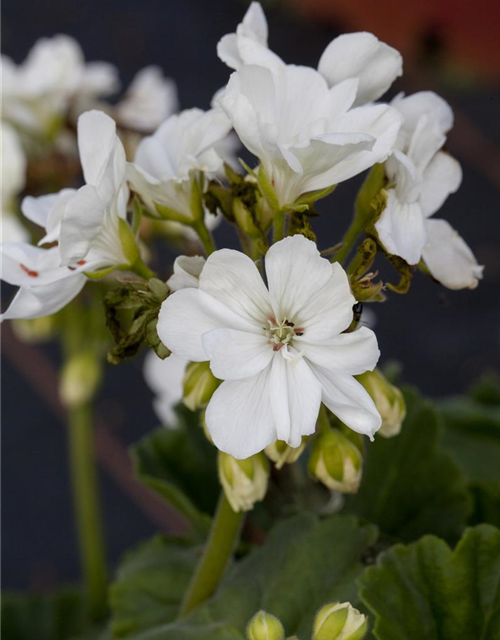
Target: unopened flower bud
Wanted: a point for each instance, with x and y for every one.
(198, 385)
(282, 453)
(264, 626)
(244, 218)
(244, 481)
(339, 621)
(80, 378)
(34, 330)
(336, 462)
(388, 399)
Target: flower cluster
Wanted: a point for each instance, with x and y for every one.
(265, 338)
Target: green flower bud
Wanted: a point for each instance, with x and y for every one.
(243, 217)
(336, 462)
(199, 384)
(388, 399)
(282, 453)
(35, 330)
(339, 621)
(264, 626)
(244, 481)
(80, 378)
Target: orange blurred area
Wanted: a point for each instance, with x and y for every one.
(466, 32)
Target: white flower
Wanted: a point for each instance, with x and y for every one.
(422, 177)
(150, 99)
(164, 378)
(40, 90)
(354, 55)
(13, 178)
(306, 135)
(167, 164)
(85, 223)
(280, 351)
(187, 271)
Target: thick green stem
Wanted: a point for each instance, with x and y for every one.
(87, 511)
(142, 270)
(279, 225)
(205, 236)
(350, 237)
(224, 535)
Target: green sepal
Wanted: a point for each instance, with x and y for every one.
(314, 196)
(267, 189)
(128, 242)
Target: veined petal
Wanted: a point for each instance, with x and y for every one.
(236, 354)
(239, 416)
(295, 398)
(362, 56)
(348, 353)
(348, 400)
(233, 279)
(37, 302)
(187, 314)
(96, 141)
(307, 289)
(401, 229)
(449, 258)
(442, 177)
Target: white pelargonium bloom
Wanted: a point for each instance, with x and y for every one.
(168, 164)
(88, 225)
(306, 136)
(421, 176)
(164, 378)
(150, 99)
(13, 178)
(353, 55)
(279, 350)
(40, 90)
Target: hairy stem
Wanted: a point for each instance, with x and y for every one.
(224, 535)
(87, 511)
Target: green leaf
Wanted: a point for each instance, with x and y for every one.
(57, 616)
(150, 585)
(426, 591)
(304, 563)
(180, 465)
(410, 486)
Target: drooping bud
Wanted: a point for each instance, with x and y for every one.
(199, 384)
(336, 461)
(264, 626)
(339, 621)
(388, 399)
(244, 481)
(282, 453)
(80, 378)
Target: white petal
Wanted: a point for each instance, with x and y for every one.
(239, 416)
(25, 265)
(424, 103)
(96, 141)
(401, 229)
(254, 23)
(348, 400)
(295, 399)
(233, 279)
(164, 377)
(350, 353)
(307, 289)
(37, 302)
(236, 354)
(363, 56)
(449, 258)
(187, 314)
(442, 177)
(187, 270)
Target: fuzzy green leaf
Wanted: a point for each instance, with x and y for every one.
(425, 590)
(410, 486)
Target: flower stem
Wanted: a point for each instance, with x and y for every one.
(142, 270)
(279, 225)
(205, 236)
(350, 237)
(224, 535)
(87, 511)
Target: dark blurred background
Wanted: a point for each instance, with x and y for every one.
(443, 339)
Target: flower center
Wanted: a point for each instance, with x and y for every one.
(281, 333)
